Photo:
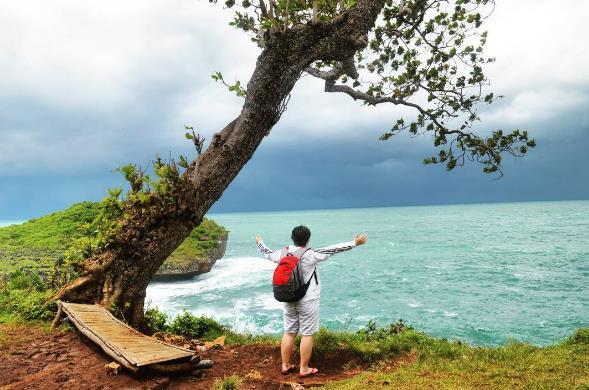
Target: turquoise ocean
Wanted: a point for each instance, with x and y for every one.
(482, 273)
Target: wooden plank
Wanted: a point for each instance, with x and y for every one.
(126, 345)
(101, 341)
(82, 326)
(156, 340)
(146, 358)
(119, 358)
(140, 350)
(138, 354)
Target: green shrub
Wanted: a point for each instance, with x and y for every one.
(366, 351)
(28, 304)
(188, 325)
(326, 341)
(23, 280)
(373, 343)
(371, 332)
(157, 321)
(23, 296)
(581, 336)
(191, 326)
(399, 327)
(227, 383)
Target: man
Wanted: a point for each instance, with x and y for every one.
(303, 316)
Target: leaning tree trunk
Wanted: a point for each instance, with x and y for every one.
(150, 231)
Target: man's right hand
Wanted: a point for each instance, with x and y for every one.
(361, 239)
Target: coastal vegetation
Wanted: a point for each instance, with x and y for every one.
(402, 357)
(399, 356)
(442, 364)
(24, 297)
(396, 355)
(40, 255)
(230, 382)
(47, 244)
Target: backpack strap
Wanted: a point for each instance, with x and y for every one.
(298, 252)
(314, 271)
(301, 252)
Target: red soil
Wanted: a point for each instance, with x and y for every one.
(32, 359)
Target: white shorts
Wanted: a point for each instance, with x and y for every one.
(302, 317)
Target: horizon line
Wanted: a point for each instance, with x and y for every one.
(12, 221)
(400, 206)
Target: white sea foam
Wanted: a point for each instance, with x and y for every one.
(363, 319)
(353, 303)
(241, 313)
(528, 275)
(226, 274)
(268, 302)
(450, 314)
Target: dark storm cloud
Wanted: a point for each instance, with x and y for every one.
(366, 173)
(328, 172)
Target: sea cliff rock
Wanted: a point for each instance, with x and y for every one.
(194, 266)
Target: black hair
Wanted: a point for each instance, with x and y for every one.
(301, 235)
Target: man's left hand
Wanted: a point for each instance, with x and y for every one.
(361, 239)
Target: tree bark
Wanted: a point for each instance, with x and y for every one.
(150, 231)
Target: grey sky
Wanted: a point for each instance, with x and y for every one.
(89, 86)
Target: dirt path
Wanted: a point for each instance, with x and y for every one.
(31, 359)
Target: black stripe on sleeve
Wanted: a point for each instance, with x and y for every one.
(264, 249)
(334, 250)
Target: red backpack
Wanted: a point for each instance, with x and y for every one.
(288, 283)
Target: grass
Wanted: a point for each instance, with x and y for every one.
(203, 239)
(444, 365)
(38, 243)
(402, 358)
(398, 356)
(231, 382)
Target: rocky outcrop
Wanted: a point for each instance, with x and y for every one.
(193, 267)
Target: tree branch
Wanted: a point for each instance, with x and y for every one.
(347, 68)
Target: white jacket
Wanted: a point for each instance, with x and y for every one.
(309, 262)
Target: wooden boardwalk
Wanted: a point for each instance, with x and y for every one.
(127, 346)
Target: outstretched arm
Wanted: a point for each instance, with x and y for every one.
(324, 253)
(271, 255)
